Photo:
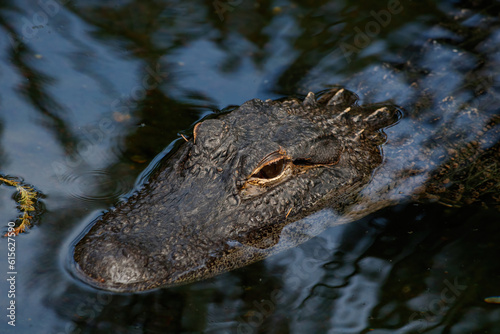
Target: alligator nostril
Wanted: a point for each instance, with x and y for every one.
(109, 263)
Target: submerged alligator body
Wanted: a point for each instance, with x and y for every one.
(247, 182)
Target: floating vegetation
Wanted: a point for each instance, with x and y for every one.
(492, 300)
(27, 200)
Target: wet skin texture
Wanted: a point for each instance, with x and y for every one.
(222, 199)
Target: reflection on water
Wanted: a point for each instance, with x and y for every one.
(91, 92)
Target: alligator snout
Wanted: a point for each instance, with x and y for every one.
(109, 262)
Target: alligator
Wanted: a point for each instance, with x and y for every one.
(272, 174)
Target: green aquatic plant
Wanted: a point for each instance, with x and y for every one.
(26, 198)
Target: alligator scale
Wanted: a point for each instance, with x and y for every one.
(246, 183)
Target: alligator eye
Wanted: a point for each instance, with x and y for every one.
(271, 170)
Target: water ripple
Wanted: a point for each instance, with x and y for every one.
(95, 185)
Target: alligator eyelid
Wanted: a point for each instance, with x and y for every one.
(270, 159)
(272, 170)
(281, 152)
(307, 164)
(265, 181)
(268, 180)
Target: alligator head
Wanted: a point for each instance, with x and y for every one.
(221, 201)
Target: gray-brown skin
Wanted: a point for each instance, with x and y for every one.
(223, 199)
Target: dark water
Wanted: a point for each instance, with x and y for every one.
(92, 91)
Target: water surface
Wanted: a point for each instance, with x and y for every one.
(92, 91)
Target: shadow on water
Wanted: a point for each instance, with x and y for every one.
(103, 87)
